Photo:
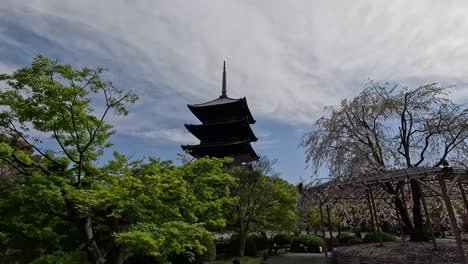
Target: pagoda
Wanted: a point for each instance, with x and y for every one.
(225, 128)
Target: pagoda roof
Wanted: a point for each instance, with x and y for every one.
(222, 131)
(218, 101)
(241, 150)
(229, 107)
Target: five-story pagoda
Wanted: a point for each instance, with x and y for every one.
(225, 130)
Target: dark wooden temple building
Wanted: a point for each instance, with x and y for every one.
(225, 130)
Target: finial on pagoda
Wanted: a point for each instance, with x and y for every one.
(223, 92)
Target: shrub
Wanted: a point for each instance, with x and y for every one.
(344, 238)
(354, 241)
(282, 239)
(210, 253)
(311, 242)
(374, 237)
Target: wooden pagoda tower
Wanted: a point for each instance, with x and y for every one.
(225, 128)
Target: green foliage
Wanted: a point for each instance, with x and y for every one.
(66, 202)
(356, 240)
(306, 243)
(5, 150)
(172, 237)
(264, 203)
(343, 238)
(374, 238)
(314, 223)
(207, 256)
(60, 257)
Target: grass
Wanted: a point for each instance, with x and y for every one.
(243, 260)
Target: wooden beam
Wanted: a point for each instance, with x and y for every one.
(452, 183)
(428, 186)
(453, 220)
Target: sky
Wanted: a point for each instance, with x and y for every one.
(289, 58)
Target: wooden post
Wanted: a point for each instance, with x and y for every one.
(379, 230)
(323, 231)
(428, 217)
(451, 214)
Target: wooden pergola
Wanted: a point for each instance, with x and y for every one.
(447, 178)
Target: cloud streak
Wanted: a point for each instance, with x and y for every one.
(289, 58)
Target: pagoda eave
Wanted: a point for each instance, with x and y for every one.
(232, 108)
(238, 130)
(239, 150)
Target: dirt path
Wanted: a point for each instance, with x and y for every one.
(297, 258)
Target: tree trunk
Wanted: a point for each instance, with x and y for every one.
(242, 237)
(407, 226)
(417, 213)
(330, 228)
(90, 245)
(323, 232)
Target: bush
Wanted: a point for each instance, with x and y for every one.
(282, 239)
(210, 253)
(311, 242)
(344, 238)
(374, 237)
(355, 241)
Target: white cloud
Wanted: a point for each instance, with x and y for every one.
(6, 68)
(289, 58)
(169, 135)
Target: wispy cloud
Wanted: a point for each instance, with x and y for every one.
(289, 58)
(178, 136)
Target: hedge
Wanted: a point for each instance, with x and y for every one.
(343, 238)
(374, 237)
(311, 242)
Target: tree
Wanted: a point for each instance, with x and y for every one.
(390, 127)
(66, 207)
(264, 203)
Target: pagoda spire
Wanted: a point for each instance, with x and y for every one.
(223, 92)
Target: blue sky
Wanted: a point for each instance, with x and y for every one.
(289, 58)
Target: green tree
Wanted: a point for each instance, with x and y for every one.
(64, 206)
(264, 203)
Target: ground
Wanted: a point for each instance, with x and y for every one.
(403, 252)
(297, 258)
(290, 258)
(243, 260)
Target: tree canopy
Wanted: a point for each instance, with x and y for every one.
(390, 127)
(265, 202)
(63, 206)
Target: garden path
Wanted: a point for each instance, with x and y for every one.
(297, 258)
